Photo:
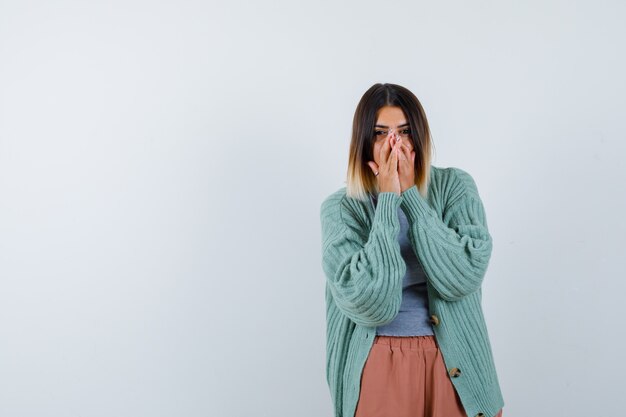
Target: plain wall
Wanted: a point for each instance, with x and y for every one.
(162, 165)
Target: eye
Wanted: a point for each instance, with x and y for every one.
(380, 132)
(407, 131)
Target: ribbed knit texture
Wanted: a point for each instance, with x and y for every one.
(412, 318)
(363, 265)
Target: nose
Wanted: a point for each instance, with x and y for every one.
(395, 133)
(393, 136)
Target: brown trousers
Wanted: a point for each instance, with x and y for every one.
(407, 377)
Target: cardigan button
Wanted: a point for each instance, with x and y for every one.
(454, 372)
(434, 320)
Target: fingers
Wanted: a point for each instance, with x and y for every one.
(387, 146)
(392, 162)
(407, 152)
(406, 162)
(385, 149)
(374, 166)
(395, 150)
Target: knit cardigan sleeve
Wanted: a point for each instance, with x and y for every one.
(364, 272)
(454, 250)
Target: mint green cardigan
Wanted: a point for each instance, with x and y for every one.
(364, 269)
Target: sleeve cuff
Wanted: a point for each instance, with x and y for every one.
(387, 209)
(413, 204)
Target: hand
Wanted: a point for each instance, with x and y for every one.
(406, 167)
(388, 179)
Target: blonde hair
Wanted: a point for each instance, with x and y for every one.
(360, 179)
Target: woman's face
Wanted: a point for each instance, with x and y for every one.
(390, 117)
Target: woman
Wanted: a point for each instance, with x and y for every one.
(405, 247)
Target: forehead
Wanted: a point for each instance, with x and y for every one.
(390, 116)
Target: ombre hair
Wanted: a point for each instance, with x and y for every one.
(361, 181)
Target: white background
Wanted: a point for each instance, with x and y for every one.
(162, 166)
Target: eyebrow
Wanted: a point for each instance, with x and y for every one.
(384, 127)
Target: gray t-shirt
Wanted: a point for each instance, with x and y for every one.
(413, 317)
